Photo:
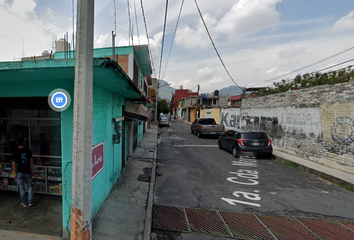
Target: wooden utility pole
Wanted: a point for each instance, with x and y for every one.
(81, 191)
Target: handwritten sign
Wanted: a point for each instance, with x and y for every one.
(97, 159)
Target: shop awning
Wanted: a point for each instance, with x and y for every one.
(134, 110)
(107, 74)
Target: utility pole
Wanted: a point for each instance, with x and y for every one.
(81, 191)
(157, 99)
(198, 105)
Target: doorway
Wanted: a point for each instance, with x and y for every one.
(32, 119)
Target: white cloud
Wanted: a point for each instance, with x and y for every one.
(103, 40)
(192, 38)
(248, 17)
(291, 52)
(205, 72)
(345, 24)
(23, 29)
(244, 18)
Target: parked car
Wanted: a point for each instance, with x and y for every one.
(206, 126)
(240, 142)
(163, 122)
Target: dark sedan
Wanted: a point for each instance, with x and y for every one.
(240, 142)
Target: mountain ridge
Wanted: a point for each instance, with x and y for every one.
(165, 91)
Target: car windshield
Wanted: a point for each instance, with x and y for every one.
(255, 135)
(164, 119)
(207, 121)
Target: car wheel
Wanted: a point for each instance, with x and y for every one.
(199, 134)
(219, 144)
(192, 131)
(268, 156)
(235, 152)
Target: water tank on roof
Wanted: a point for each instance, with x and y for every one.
(45, 53)
(216, 93)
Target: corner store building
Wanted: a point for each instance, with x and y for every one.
(116, 127)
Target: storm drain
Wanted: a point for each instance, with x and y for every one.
(248, 226)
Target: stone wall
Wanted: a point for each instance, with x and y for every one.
(316, 123)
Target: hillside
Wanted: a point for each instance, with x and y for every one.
(230, 91)
(165, 91)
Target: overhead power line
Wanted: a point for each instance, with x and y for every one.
(335, 65)
(310, 65)
(130, 23)
(173, 38)
(136, 20)
(349, 66)
(163, 37)
(211, 39)
(147, 36)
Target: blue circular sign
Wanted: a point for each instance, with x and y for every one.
(59, 100)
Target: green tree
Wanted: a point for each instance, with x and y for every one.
(308, 80)
(162, 107)
(171, 104)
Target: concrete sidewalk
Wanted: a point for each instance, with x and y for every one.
(126, 213)
(330, 174)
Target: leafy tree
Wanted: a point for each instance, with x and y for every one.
(162, 107)
(308, 80)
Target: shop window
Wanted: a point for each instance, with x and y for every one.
(40, 128)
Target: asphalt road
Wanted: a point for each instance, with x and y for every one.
(192, 172)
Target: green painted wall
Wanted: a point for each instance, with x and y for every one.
(106, 106)
(140, 131)
(39, 78)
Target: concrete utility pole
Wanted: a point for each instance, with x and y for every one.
(157, 99)
(81, 191)
(198, 105)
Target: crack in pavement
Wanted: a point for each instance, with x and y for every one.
(136, 200)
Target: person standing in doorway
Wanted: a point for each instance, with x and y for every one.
(24, 160)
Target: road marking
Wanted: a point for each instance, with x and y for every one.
(244, 177)
(192, 146)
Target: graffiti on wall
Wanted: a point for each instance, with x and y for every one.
(343, 130)
(263, 123)
(230, 121)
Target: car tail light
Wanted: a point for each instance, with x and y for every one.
(223, 128)
(269, 142)
(201, 128)
(240, 142)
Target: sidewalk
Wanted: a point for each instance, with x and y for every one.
(330, 174)
(126, 213)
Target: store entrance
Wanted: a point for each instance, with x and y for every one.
(32, 119)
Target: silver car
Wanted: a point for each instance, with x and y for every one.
(164, 122)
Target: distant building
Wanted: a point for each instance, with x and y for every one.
(45, 55)
(236, 101)
(179, 94)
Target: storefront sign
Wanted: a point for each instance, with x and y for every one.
(97, 159)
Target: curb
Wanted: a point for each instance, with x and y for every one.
(150, 201)
(320, 174)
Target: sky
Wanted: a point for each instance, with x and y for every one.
(259, 41)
